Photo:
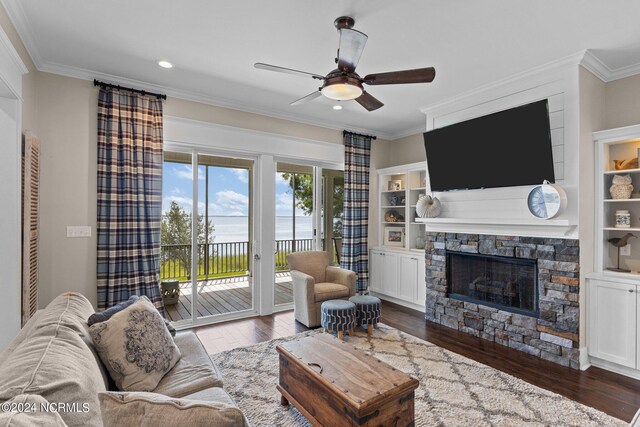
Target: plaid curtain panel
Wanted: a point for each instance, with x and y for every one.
(129, 196)
(355, 256)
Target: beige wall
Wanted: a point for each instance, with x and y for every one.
(622, 103)
(67, 122)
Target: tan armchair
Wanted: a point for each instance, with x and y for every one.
(315, 281)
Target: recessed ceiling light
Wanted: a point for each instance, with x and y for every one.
(165, 64)
(337, 107)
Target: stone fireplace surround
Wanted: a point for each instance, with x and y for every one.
(554, 335)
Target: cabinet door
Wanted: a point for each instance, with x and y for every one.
(376, 267)
(390, 274)
(421, 292)
(612, 321)
(408, 278)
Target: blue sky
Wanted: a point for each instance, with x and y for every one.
(228, 190)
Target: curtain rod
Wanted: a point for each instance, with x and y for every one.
(104, 85)
(344, 132)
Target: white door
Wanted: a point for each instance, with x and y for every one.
(612, 321)
(376, 266)
(408, 275)
(390, 274)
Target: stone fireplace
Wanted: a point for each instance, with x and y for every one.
(521, 292)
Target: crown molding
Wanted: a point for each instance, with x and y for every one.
(605, 73)
(21, 23)
(596, 67)
(412, 131)
(12, 52)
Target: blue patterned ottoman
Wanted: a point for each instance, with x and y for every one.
(367, 310)
(338, 316)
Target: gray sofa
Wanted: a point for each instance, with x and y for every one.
(53, 357)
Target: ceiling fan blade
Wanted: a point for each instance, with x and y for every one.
(269, 67)
(368, 101)
(307, 98)
(352, 44)
(419, 75)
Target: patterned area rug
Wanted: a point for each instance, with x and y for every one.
(454, 390)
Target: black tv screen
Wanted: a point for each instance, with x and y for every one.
(503, 149)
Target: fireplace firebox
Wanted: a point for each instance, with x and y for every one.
(509, 284)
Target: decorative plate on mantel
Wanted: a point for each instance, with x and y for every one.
(547, 200)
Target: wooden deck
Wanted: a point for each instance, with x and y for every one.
(226, 295)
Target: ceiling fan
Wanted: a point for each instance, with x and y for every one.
(344, 83)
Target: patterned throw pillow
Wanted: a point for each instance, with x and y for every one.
(135, 346)
(103, 316)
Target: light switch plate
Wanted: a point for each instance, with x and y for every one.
(625, 250)
(76, 231)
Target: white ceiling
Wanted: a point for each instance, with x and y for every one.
(214, 44)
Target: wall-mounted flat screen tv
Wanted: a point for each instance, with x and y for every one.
(503, 149)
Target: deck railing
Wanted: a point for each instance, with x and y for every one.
(221, 259)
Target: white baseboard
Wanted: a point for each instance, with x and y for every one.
(614, 367)
(585, 363)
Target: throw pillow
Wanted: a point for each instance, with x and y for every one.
(103, 316)
(153, 409)
(135, 346)
(29, 410)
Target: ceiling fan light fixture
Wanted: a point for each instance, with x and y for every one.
(341, 91)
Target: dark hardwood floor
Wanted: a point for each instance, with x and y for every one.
(617, 395)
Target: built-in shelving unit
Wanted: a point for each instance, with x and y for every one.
(613, 297)
(616, 144)
(400, 187)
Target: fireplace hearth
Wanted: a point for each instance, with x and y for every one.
(541, 320)
(509, 284)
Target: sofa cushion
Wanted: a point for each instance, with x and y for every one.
(153, 410)
(103, 316)
(193, 372)
(325, 291)
(29, 410)
(135, 346)
(55, 363)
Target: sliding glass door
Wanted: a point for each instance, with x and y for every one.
(309, 206)
(209, 253)
(295, 224)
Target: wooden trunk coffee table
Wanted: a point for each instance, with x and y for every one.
(334, 384)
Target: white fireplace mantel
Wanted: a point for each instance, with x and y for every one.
(501, 226)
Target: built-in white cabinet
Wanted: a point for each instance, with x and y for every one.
(613, 289)
(398, 277)
(613, 327)
(396, 264)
